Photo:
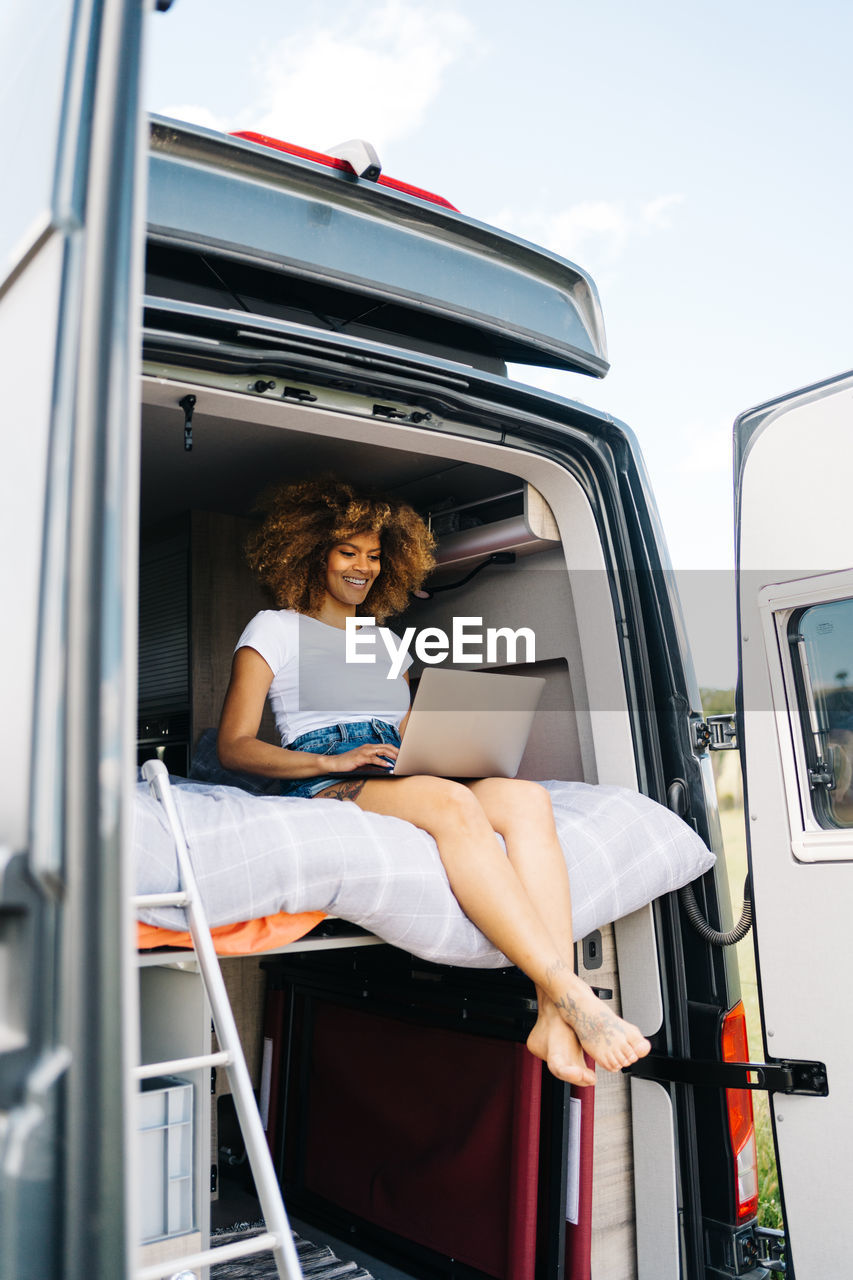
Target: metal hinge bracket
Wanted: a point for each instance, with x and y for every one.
(741, 1251)
(772, 1249)
(806, 1079)
(821, 775)
(714, 733)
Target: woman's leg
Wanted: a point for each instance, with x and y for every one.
(521, 812)
(523, 816)
(492, 894)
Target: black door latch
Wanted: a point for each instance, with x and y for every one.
(806, 1079)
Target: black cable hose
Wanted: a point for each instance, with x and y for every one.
(700, 924)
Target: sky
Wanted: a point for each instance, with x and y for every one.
(693, 158)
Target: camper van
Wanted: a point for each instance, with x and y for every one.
(186, 316)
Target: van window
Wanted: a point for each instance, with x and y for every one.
(821, 639)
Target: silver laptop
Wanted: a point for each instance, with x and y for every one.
(468, 724)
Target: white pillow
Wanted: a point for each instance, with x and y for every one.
(622, 850)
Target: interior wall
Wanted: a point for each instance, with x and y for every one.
(224, 595)
(533, 593)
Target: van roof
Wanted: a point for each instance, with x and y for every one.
(422, 270)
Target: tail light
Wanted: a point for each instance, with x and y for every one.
(741, 1117)
(334, 162)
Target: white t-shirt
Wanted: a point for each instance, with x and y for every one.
(313, 685)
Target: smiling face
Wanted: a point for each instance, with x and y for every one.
(351, 569)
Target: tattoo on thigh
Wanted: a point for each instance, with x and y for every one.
(343, 790)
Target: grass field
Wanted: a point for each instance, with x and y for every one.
(734, 839)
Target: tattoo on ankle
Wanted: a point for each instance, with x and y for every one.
(600, 1026)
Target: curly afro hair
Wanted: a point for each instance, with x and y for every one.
(304, 521)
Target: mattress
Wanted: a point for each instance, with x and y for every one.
(258, 857)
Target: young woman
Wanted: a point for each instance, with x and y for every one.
(328, 554)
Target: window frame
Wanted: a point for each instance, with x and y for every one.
(813, 837)
(815, 741)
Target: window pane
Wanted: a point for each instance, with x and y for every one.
(826, 668)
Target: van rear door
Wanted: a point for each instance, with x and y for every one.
(793, 461)
(71, 240)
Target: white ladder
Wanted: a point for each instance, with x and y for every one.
(278, 1236)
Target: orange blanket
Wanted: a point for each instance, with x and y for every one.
(267, 933)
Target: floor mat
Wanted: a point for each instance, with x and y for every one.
(318, 1262)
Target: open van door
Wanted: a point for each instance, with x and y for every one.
(793, 463)
(71, 240)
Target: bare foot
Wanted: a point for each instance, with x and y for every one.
(611, 1041)
(554, 1041)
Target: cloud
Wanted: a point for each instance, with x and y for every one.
(372, 73)
(594, 231)
(657, 212)
(599, 220)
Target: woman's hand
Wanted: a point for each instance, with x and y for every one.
(379, 754)
(238, 745)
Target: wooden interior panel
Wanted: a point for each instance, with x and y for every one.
(613, 1245)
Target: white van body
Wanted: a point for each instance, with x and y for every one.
(790, 458)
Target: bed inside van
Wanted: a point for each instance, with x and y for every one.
(488, 1178)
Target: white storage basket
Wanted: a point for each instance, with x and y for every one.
(166, 1144)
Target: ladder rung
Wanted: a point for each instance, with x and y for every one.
(179, 899)
(210, 1257)
(177, 1065)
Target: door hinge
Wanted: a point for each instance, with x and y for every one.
(821, 775)
(807, 1079)
(714, 733)
(739, 1251)
(772, 1249)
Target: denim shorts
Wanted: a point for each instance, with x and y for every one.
(334, 740)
